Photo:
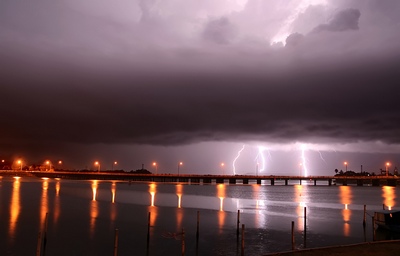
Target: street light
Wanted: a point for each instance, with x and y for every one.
(20, 163)
(179, 164)
(49, 164)
(345, 163)
(387, 167)
(223, 169)
(97, 163)
(155, 165)
(114, 163)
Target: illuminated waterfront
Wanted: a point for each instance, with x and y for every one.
(82, 216)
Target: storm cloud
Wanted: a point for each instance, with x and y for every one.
(185, 72)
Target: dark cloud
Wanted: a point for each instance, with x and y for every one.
(220, 31)
(145, 73)
(343, 20)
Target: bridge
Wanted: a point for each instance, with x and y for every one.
(216, 179)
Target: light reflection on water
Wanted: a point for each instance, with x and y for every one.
(331, 211)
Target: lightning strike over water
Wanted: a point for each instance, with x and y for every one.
(303, 160)
(260, 155)
(236, 158)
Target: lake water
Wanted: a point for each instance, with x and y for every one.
(82, 216)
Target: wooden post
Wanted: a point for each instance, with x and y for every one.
(305, 227)
(148, 231)
(237, 224)
(373, 228)
(45, 234)
(116, 242)
(242, 240)
(39, 244)
(183, 242)
(365, 215)
(197, 230)
(293, 236)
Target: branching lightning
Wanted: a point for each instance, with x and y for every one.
(236, 158)
(260, 155)
(320, 154)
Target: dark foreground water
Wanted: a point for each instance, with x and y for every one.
(83, 216)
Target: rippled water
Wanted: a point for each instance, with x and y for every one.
(82, 216)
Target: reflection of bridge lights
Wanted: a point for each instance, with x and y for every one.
(152, 191)
(388, 194)
(113, 192)
(94, 189)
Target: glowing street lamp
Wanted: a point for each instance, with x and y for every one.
(345, 163)
(387, 167)
(49, 164)
(97, 163)
(20, 163)
(223, 169)
(179, 165)
(155, 165)
(114, 163)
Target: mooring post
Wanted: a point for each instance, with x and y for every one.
(242, 240)
(148, 231)
(237, 224)
(183, 242)
(197, 230)
(305, 227)
(293, 236)
(116, 242)
(365, 215)
(373, 228)
(45, 233)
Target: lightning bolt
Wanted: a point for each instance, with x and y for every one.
(320, 154)
(303, 159)
(260, 155)
(236, 158)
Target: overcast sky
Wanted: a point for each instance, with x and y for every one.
(312, 82)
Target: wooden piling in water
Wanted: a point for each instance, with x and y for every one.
(45, 233)
(242, 240)
(365, 215)
(373, 228)
(148, 230)
(293, 236)
(183, 242)
(197, 230)
(237, 224)
(116, 242)
(305, 227)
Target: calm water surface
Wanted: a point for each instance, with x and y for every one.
(83, 216)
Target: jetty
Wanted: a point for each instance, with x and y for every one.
(378, 180)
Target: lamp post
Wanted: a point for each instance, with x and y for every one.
(345, 163)
(114, 163)
(49, 164)
(179, 165)
(20, 163)
(387, 167)
(155, 165)
(97, 163)
(223, 169)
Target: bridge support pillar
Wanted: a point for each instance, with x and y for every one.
(272, 182)
(330, 182)
(360, 183)
(245, 181)
(207, 181)
(286, 182)
(315, 182)
(233, 181)
(259, 181)
(219, 181)
(391, 183)
(375, 182)
(344, 182)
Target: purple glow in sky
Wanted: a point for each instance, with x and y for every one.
(192, 81)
